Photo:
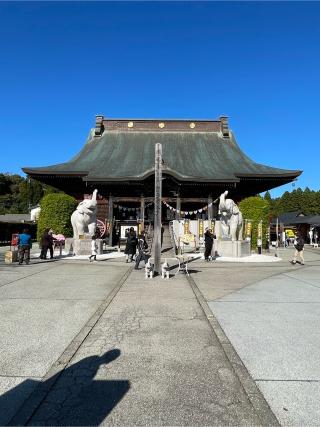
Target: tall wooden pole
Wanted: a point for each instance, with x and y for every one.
(157, 208)
(178, 206)
(142, 208)
(110, 218)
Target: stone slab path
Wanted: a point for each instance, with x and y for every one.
(151, 357)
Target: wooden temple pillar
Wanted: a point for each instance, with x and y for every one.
(110, 218)
(178, 207)
(142, 208)
(210, 209)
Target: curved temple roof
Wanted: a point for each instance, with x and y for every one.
(203, 154)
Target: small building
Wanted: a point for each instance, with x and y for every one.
(298, 221)
(15, 223)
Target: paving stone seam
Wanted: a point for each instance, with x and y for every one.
(25, 277)
(263, 302)
(250, 388)
(301, 280)
(286, 381)
(51, 299)
(18, 376)
(32, 403)
(289, 270)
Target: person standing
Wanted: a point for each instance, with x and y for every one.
(299, 245)
(131, 245)
(51, 243)
(208, 243)
(142, 247)
(94, 248)
(46, 243)
(24, 246)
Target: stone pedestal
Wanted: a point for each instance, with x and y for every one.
(236, 249)
(68, 245)
(83, 246)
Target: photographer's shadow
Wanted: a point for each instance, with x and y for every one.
(76, 398)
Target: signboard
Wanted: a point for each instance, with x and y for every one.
(101, 228)
(14, 239)
(188, 238)
(260, 230)
(186, 228)
(248, 230)
(126, 228)
(200, 227)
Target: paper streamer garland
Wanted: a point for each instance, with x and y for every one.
(187, 212)
(126, 209)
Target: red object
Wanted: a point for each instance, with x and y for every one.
(101, 227)
(14, 239)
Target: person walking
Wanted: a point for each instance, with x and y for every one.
(131, 245)
(299, 245)
(208, 243)
(94, 248)
(46, 243)
(142, 247)
(24, 246)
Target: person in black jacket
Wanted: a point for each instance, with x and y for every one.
(208, 243)
(131, 245)
(46, 243)
(299, 245)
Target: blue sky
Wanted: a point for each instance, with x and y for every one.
(256, 62)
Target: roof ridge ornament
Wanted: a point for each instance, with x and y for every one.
(99, 129)
(224, 126)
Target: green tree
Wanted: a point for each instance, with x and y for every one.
(267, 196)
(30, 194)
(4, 184)
(256, 209)
(56, 210)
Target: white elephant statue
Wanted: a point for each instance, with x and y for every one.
(231, 220)
(84, 218)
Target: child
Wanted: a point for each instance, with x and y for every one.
(94, 248)
(142, 247)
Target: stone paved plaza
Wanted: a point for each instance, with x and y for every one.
(97, 343)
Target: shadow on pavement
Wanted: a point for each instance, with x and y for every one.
(74, 399)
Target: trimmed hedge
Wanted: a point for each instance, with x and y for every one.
(256, 209)
(56, 210)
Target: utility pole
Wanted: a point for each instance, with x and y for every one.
(157, 207)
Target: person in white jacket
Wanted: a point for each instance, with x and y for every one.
(94, 249)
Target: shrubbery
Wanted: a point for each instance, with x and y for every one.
(256, 209)
(56, 210)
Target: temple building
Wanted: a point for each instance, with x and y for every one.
(201, 159)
